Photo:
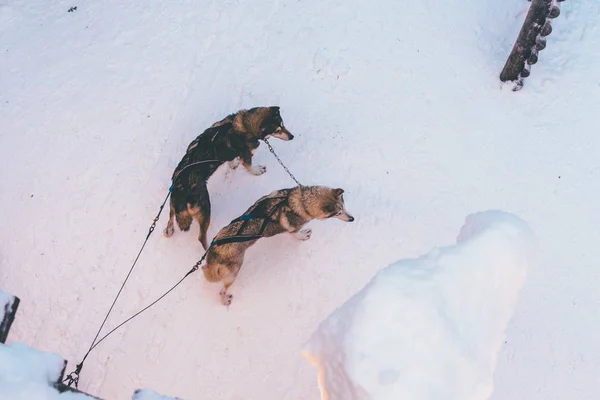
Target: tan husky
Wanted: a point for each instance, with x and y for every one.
(286, 210)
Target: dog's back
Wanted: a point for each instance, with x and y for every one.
(262, 218)
(189, 194)
(206, 153)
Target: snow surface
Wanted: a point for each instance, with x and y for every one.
(148, 394)
(428, 328)
(398, 103)
(28, 374)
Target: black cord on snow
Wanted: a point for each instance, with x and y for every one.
(73, 377)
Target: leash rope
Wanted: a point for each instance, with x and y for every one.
(73, 377)
(281, 162)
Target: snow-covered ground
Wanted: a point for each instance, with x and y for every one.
(398, 103)
(431, 327)
(28, 374)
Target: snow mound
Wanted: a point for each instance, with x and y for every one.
(428, 328)
(27, 374)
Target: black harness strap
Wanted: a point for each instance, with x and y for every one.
(252, 214)
(219, 129)
(192, 165)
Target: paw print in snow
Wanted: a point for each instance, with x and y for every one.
(326, 64)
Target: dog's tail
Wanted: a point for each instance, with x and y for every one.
(184, 221)
(215, 273)
(184, 218)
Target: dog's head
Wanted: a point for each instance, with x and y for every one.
(271, 124)
(330, 204)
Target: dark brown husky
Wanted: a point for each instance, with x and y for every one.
(232, 139)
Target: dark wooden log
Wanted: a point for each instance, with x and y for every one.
(528, 42)
(10, 310)
(61, 387)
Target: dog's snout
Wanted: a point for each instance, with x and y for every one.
(288, 134)
(283, 134)
(344, 216)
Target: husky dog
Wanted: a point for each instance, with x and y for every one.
(286, 210)
(232, 139)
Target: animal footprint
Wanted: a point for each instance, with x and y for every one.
(332, 65)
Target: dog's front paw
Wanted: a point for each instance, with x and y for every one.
(303, 234)
(258, 170)
(226, 298)
(168, 231)
(233, 164)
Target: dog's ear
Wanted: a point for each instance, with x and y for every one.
(338, 192)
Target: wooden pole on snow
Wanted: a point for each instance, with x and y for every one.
(531, 40)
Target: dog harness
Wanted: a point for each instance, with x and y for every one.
(260, 210)
(194, 144)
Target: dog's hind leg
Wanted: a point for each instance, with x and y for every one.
(170, 229)
(201, 212)
(204, 222)
(227, 297)
(184, 220)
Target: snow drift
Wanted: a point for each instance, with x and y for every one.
(28, 374)
(428, 328)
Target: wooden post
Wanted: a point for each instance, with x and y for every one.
(8, 310)
(530, 41)
(61, 387)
